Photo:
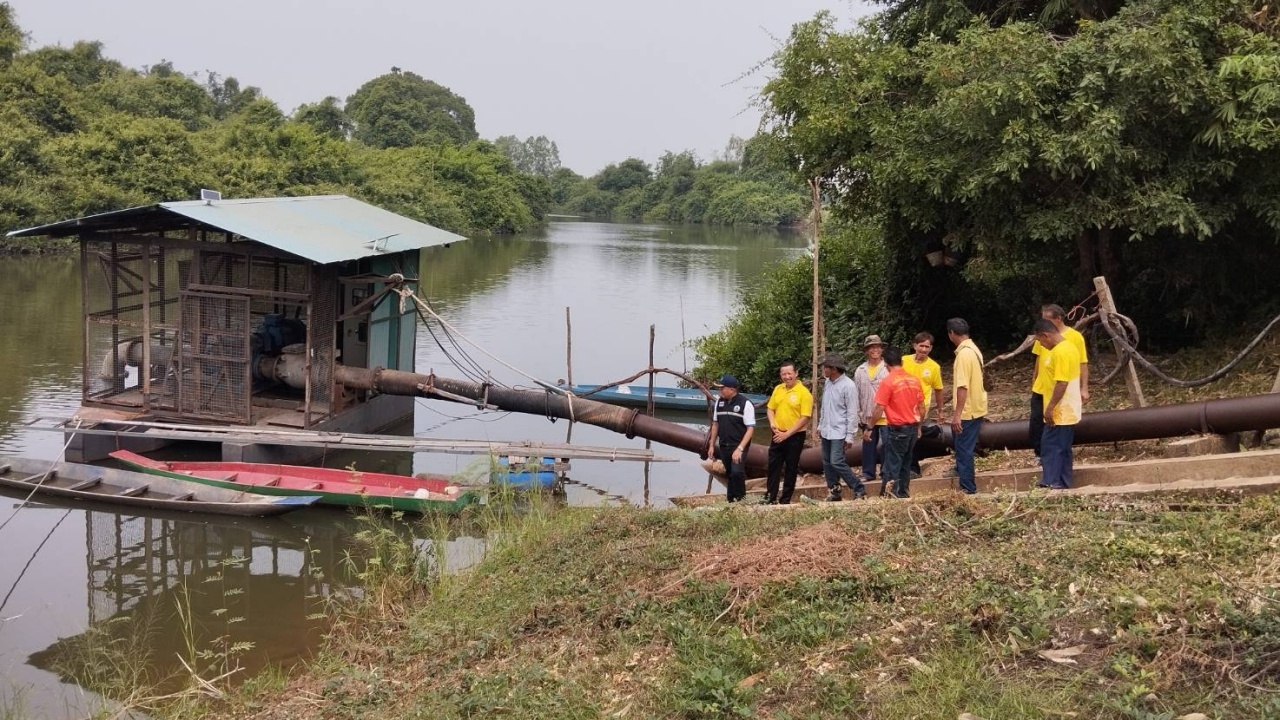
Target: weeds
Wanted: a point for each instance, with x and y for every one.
(999, 608)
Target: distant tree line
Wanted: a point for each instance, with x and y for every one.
(81, 134)
(748, 185)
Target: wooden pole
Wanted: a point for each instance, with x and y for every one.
(568, 362)
(648, 444)
(1107, 304)
(819, 333)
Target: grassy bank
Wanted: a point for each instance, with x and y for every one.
(1034, 608)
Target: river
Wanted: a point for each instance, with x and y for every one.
(86, 592)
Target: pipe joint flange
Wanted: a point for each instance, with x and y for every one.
(631, 424)
(377, 378)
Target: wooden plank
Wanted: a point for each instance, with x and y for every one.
(246, 434)
(135, 491)
(86, 484)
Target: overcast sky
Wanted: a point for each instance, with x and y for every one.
(603, 79)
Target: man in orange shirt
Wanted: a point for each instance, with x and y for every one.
(900, 401)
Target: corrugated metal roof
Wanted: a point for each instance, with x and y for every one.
(321, 228)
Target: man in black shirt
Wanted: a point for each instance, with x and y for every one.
(731, 427)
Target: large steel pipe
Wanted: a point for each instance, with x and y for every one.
(1210, 416)
(1227, 415)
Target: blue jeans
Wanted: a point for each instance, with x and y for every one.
(1055, 455)
(1036, 422)
(835, 468)
(965, 445)
(900, 440)
(869, 454)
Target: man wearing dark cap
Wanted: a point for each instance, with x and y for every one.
(838, 426)
(731, 428)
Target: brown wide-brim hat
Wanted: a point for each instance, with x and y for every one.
(871, 341)
(834, 360)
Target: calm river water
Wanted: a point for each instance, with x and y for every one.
(81, 587)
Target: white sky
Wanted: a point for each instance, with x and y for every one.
(603, 79)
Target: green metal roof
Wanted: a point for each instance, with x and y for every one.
(321, 228)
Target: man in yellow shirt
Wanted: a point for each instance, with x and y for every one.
(790, 408)
(1063, 404)
(968, 400)
(1041, 386)
(927, 371)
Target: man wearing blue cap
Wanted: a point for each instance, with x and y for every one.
(731, 428)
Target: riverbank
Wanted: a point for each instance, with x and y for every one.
(1036, 608)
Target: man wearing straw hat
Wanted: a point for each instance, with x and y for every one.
(867, 377)
(838, 426)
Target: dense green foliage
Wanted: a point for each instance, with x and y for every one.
(1043, 143)
(80, 134)
(749, 186)
(403, 109)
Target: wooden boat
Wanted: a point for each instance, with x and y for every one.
(334, 486)
(664, 398)
(136, 490)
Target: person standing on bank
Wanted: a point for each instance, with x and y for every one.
(838, 427)
(1042, 387)
(929, 373)
(731, 427)
(968, 401)
(867, 377)
(790, 409)
(900, 402)
(1063, 405)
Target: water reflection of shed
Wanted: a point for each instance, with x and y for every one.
(156, 584)
(205, 294)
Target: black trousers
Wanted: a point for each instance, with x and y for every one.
(1037, 421)
(737, 485)
(784, 464)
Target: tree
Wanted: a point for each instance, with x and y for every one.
(12, 39)
(326, 117)
(1046, 147)
(630, 173)
(402, 109)
(82, 64)
(160, 93)
(532, 156)
(228, 97)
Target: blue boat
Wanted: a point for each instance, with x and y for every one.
(664, 398)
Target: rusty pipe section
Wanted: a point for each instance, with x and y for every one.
(1226, 415)
(1255, 412)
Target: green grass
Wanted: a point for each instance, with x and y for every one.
(584, 613)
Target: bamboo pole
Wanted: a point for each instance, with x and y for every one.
(648, 444)
(819, 333)
(568, 362)
(1107, 304)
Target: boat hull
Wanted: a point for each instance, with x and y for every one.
(664, 398)
(139, 491)
(343, 488)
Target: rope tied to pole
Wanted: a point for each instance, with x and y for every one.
(1124, 332)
